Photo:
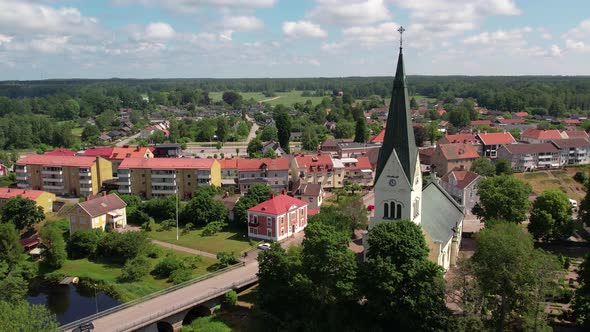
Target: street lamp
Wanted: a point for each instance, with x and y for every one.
(176, 213)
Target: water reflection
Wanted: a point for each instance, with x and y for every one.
(70, 303)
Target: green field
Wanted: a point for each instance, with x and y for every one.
(222, 241)
(285, 98)
(77, 131)
(418, 98)
(108, 272)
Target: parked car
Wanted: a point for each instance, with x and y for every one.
(574, 203)
(264, 246)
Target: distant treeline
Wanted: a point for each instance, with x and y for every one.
(549, 94)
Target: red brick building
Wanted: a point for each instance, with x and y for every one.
(277, 218)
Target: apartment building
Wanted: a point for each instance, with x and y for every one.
(63, 175)
(573, 151)
(449, 156)
(492, 141)
(358, 171)
(116, 155)
(42, 198)
(273, 172)
(525, 157)
(532, 135)
(315, 169)
(158, 177)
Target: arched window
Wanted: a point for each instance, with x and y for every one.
(386, 210)
(398, 212)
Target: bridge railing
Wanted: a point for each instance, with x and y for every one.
(179, 307)
(148, 297)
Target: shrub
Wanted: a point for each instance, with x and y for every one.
(166, 225)
(213, 228)
(135, 269)
(138, 217)
(192, 262)
(187, 228)
(581, 177)
(167, 265)
(84, 243)
(180, 275)
(226, 258)
(123, 246)
(154, 252)
(231, 298)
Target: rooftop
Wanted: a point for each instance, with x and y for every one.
(102, 205)
(496, 138)
(458, 151)
(57, 161)
(541, 134)
(278, 205)
(458, 138)
(571, 143)
(60, 152)
(463, 177)
(166, 163)
(272, 164)
(531, 148)
(7, 193)
(309, 161)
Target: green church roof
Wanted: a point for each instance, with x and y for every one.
(399, 133)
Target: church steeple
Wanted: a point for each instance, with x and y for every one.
(399, 133)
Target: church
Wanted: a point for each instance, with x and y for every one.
(399, 190)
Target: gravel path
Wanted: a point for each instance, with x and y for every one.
(185, 249)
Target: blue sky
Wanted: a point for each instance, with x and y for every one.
(42, 39)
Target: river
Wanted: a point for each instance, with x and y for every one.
(71, 302)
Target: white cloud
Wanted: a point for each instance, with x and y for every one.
(369, 36)
(22, 17)
(4, 39)
(190, 6)
(349, 12)
(579, 32)
(159, 31)
(544, 33)
(514, 37)
(303, 29)
(577, 46)
(242, 23)
(555, 51)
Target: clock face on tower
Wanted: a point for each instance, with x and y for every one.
(392, 182)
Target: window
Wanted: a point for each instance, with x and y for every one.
(386, 210)
(282, 230)
(256, 219)
(268, 221)
(282, 220)
(269, 232)
(188, 176)
(398, 212)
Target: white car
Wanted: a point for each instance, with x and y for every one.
(573, 203)
(264, 246)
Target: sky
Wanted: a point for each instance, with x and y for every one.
(43, 39)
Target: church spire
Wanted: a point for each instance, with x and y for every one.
(399, 133)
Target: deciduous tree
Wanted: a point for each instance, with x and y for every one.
(503, 198)
(483, 166)
(22, 212)
(551, 216)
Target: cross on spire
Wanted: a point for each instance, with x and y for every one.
(401, 36)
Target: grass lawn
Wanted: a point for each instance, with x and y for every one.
(285, 98)
(430, 100)
(77, 131)
(229, 240)
(109, 272)
(555, 179)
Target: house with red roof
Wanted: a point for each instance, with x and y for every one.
(449, 156)
(467, 138)
(521, 114)
(379, 137)
(476, 123)
(492, 141)
(60, 152)
(43, 199)
(277, 218)
(525, 157)
(504, 122)
(575, 134)
(572, 122)
(532, 135)
(316, 169)
(273, 172)
(161, 177)
(461, 184)
(441, 111)
(63, 175)
(357, 171)
(117, 154)
(229, 170)
(106, 211)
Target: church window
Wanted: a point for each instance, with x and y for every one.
(398, 212)
(386, 210)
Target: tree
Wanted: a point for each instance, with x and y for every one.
(231, 298)
(135, 269)
(309, 140)
(254, 147)
(269, 133)
(502, 198)
(22, 212)
(432, 132)
(551, 216)
(413, 103)
(344, 129)
(283, 124)
(123, 246)
(419, 135)
(584, 209)
(503, 167)
(459, 117)
(222, 130)
(160, 208)
(25, 317)
(83, 243)
(203, 209)
(360, 130)
(231, 97)
(512, 274)
(483, 166)
(403, 289)
(90, 133)
(11, 251)
(226, 258)
(52, 240)
(257, 194)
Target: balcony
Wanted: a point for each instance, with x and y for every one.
(22, 177)
(84, 172)
(85, 181)
(164, 182)
(52, 172)
(125, 190)
(164, 175)
(53, 180)
(164, 191)
(53, 187)
(204, 176)
(85, 189)
(23, 185)
(124, 182)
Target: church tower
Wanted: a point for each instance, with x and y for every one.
(398, 181)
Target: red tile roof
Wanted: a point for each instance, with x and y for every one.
(129, 152)
(531, 148)
(60, 152)
(496, 138)
(166, 163)
(458, 151)
(463, 177)
(576, 134)
(228, 163)
(459, 138)
(6, 193)
(57, 161)
(541, 134)
(481, 122)
(307, 161)
(102, 205)
(521, 114)
(441, 111)
(571, 143)
(572, 121)
(278, 205)
(104, 152)
(510, 121)
(272, 164)
(362, 162)
(379, 137)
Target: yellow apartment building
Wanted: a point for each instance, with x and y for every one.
(63, 175)
(42, 198)
(161, 177)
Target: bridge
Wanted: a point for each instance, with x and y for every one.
(166, 310)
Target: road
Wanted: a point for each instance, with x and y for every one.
(126, 141)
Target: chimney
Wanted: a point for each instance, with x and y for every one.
(283, 191)
(272, 195)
